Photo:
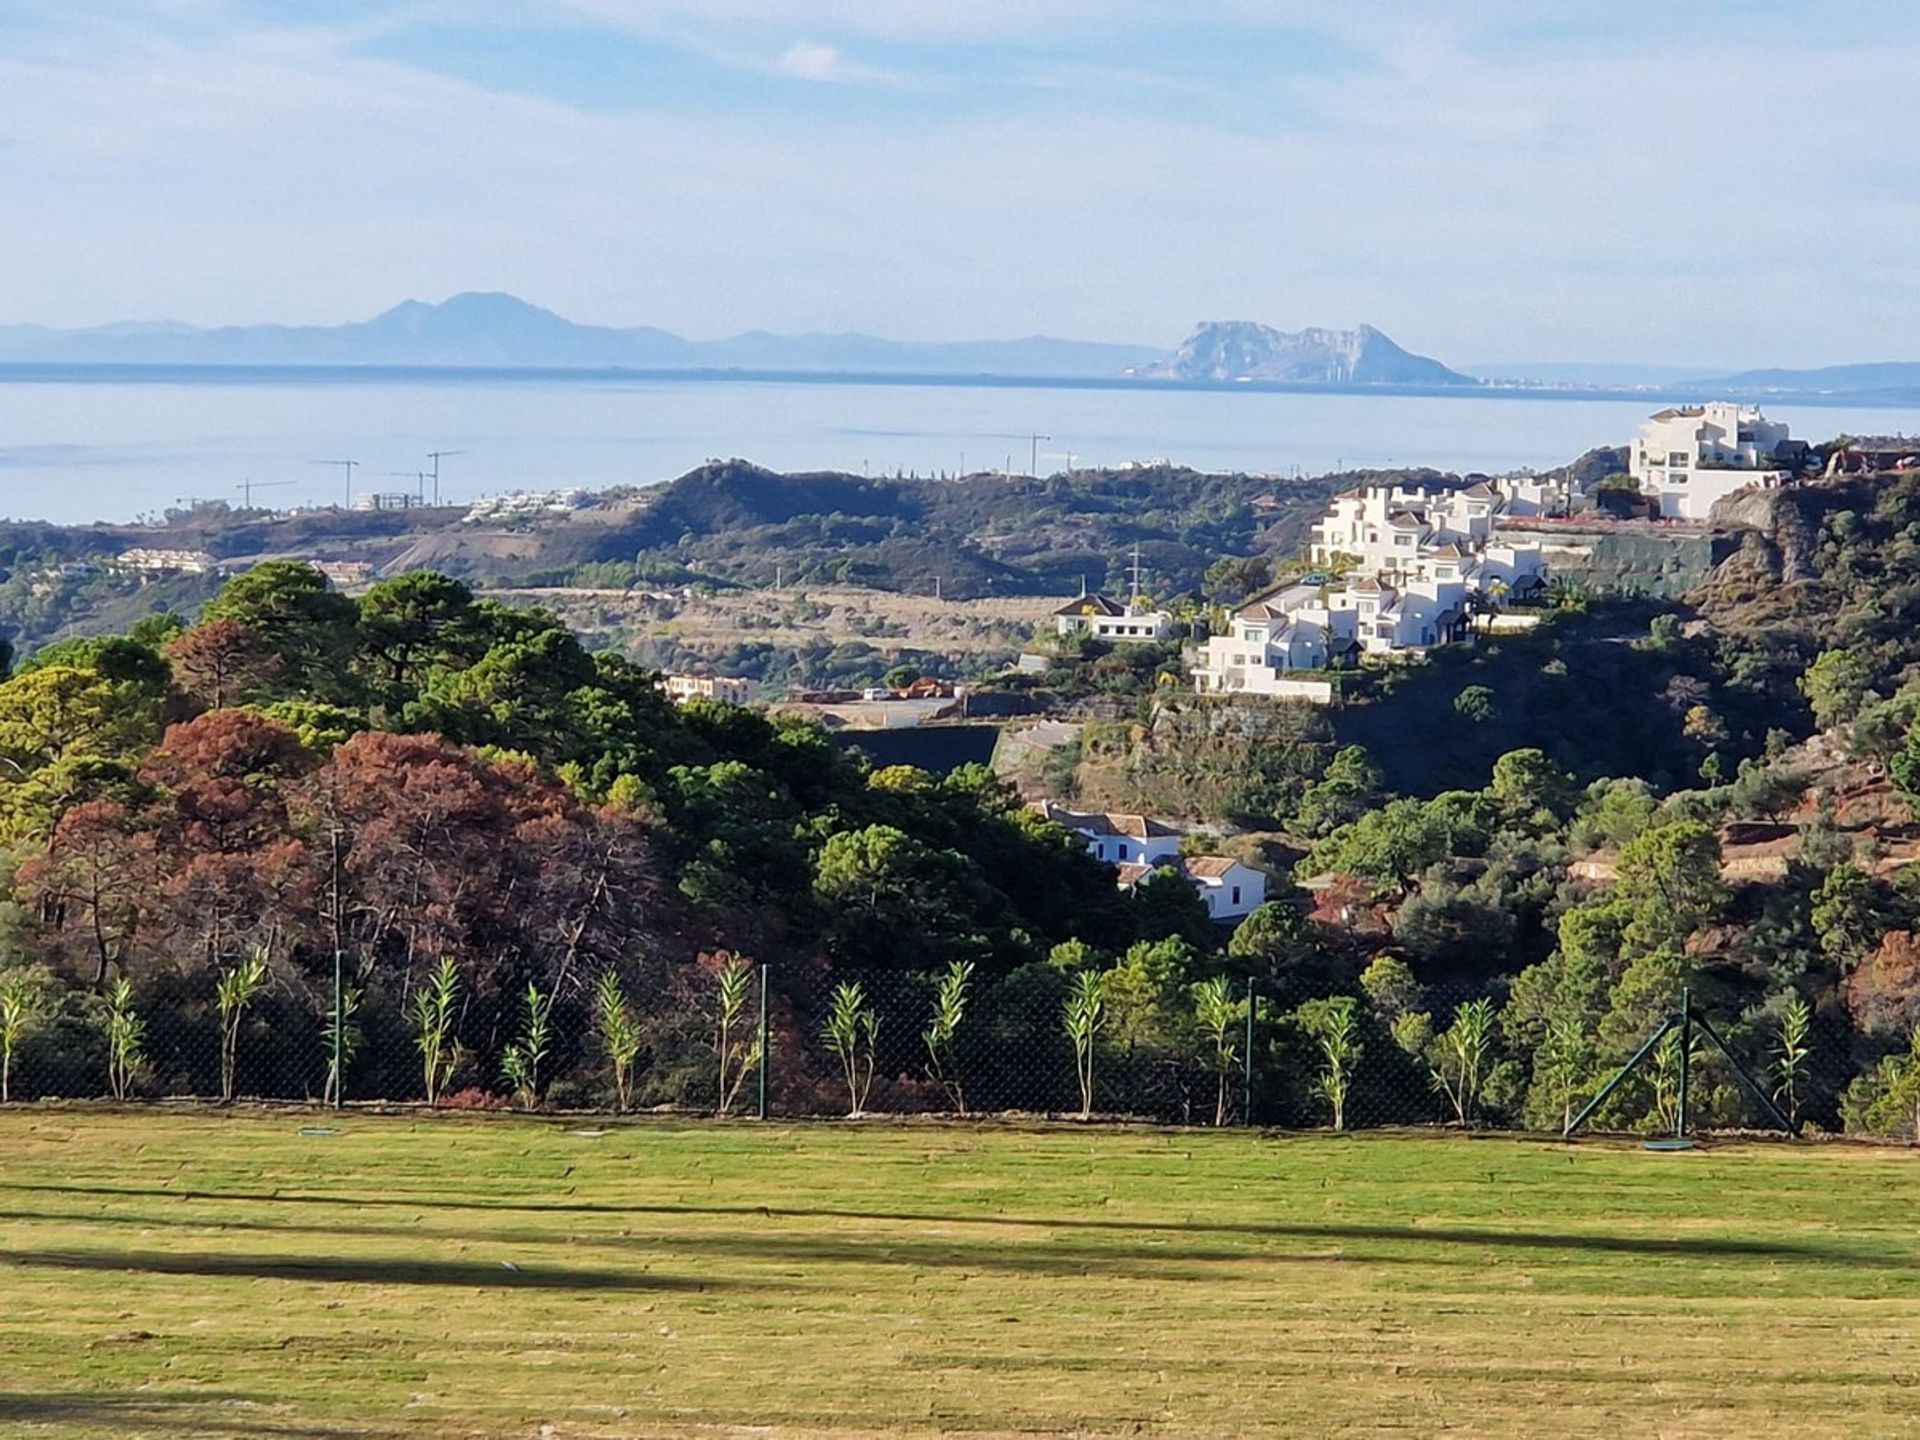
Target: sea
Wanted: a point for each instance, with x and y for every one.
(120, 443)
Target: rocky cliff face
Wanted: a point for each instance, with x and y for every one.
(1241, 349)
(1781, 530)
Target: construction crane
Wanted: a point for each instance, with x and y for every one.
(437, 456)
(346, 465)
(247, 487)
(1033, 439)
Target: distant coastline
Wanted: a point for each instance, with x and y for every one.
(26, 372)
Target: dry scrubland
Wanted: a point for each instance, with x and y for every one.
(175, 1274)
(801, 616)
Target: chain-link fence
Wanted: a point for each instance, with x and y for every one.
(727, 1036)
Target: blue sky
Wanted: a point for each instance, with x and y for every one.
(1705, 183)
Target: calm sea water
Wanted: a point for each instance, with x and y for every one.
(76, 447)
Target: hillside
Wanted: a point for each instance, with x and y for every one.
(981, 535)
(1243, 350)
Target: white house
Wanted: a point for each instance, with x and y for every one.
(1380, 530)
(1534, 495)
(1268, 640)
(1689, 456)
(725, 688)
(1117, 839)
(1231, 890)
(1103, 618)
(1414, 615)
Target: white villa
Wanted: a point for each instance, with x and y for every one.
(724, 688)
(1139, 845)
(1117, 839)
(1231, 890)
(1128, 623)
(1689, 456)
(1416, 565)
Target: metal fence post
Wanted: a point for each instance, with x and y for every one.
(764, 969)
(1686, 1062)
(1246, 1068)
(339, 1030)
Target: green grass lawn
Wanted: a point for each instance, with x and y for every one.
(196, 1274)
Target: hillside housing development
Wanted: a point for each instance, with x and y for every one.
(1688, 456)
(1414, 564)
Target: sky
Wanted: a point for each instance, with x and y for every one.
(1715, 183)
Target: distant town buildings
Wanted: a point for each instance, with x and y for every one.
(386, 500)
(165, 562)
(526, 505)
(1406, 568)
(1686, 457)
(342, 573)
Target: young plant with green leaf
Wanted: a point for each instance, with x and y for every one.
(619, 1031)
(23, 1004)
(234, 991)
(737, 1045)
(1563, 1066)
(1665, 1078)
(1794, 1050)
(434, 1007)
(949, 1010)
(126, 1040)
(852, 1033)
(1459, 1059)
(340, 1056)
(1336, 1028)
(1081, 1018)
(1220, 1019)
(521, 1062)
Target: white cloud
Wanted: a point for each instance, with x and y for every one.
(805, 60)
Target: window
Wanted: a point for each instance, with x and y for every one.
(1679, 458)
(1236, 895)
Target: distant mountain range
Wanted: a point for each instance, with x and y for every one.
(490, 330)
(502, 330)
(1242, 350)
(495, 330)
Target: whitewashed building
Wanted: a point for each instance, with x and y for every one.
(1689, 456)
(724, 688)
(1415, 566)
(1117, 839)
(1230, 889)
(1131, 622)
(1268, 642)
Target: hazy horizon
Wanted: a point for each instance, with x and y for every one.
(1648, 186)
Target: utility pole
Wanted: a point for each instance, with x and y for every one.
(348, 466)
(436, 456)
